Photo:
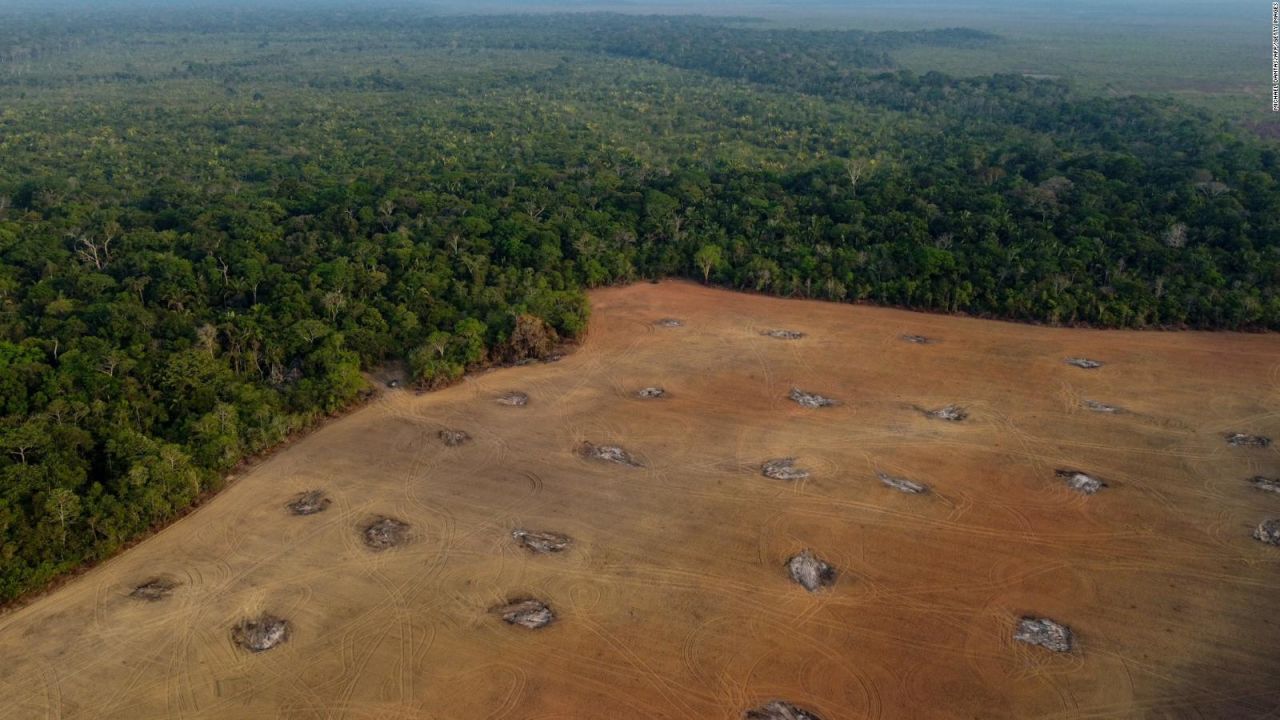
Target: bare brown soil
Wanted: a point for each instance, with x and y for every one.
(675, 600)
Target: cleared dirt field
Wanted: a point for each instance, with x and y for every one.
(672, 598)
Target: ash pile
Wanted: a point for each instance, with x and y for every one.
(454, 438)
(783, 469)
(1265, 484)
(1268, 531)
(779, 710)
(1237, 439)
(153, 590)
(530, 614)
(1081, 482)
(309, 503)
(261, 633)
(949, 413)
(1102, 407)
(514, 398)
(1044, 633)
(609, 453)
(541, 542)
(902, 484)
(384, 532)
(810, 572)
(810, 399)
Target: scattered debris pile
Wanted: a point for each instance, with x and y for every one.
(531, 614)
(515, 398)
(1085, 363)
(261, 633)
(809, 399)
(608, 453)
(783, 334)
(650, 392)
(154, 589)
(779, 710)
(1268, 531)
(918, 339)
(670, 323)
(1045, 633)
(1102, 407)
(454, 438)
(385, 532)
(902, 484)
(811, 572)
(783, 469)
(950, 413)
(541, 542)
(1081, 482)
(1236, 439)
(309, 503)
(1265, 484)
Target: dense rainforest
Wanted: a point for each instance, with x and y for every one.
(212, 222)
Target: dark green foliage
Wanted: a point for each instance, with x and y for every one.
(208, 226)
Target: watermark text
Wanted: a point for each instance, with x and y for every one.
(1275, 57)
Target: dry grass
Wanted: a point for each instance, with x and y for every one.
(674, 599)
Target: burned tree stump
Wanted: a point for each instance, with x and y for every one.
(309, 503)
(810, 572)
(783, 469)
(541, 542)
(1081, 482)
(384, 532)
(527, 613)
(783, 334)
(1045, 633)
(261, 633)
(779, 710)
